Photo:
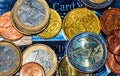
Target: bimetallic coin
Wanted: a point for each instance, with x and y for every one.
(65, 69)
(113, 65)
(43, 55)
(86, 52)
(97, 4)
(76, 22)
(110, 20)
(7, 30)
(54, 25)
(32, 69)
(31, 16)
(10, 58)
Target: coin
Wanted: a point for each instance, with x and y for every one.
(76, 22)
(43, 55)
(54, 25)
(10, 58)
(113, 42)
(31, 16)
(7, 31)
(86, 52)
(110, 20)
(97, 4)
(113, 64)
(65, 69)
(32, 69)
(25, 40)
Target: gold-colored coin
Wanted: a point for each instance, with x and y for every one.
(80, 20)
(43, 55)
(10, 58)
(97, 1)
(31, 16)
(54, 25)
(65, 69)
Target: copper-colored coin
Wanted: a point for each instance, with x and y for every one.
(110, 20)
(7, 31)
(113, 42)
(32, 69)
(117, 57)
(113, 64)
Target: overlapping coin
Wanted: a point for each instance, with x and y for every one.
(10, 58)
(110, 20)
(65, 69)
(113, 65)
(80, 20)
(7, 30)
(43, 55)
(113, 42)
(97, 4)
(25, 40)
(86, 52)
(30, 16)
(54, 26)
(32, 69)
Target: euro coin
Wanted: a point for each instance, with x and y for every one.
(65, 69)
(32, 69)
(43, 55)
(97, 4)
(110, 20)
(80, 20)
(30, 16)
(10, 58)
(87, 52)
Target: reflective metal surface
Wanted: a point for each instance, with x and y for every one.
(7, 58)
(31, 12)
(86, 52)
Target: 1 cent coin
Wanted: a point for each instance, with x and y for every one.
(32, 69)
(110, 20)
(7, 31)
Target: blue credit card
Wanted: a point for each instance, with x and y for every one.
(64, 6)
(59, 37)
(6, 5)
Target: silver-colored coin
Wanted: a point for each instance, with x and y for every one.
(31, 12)
(87, 52)
(8, 58)
(41, 57)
